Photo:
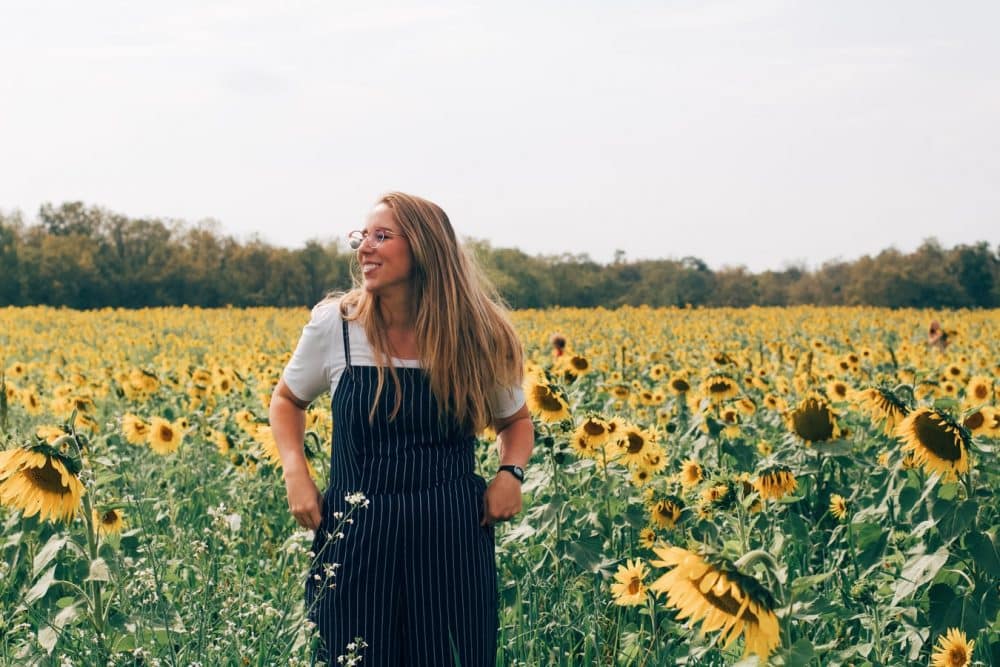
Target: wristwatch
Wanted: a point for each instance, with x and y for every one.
(516, 471)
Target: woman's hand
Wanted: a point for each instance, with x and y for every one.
(304, 500)
(502, 500)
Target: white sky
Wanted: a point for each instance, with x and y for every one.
(753, 132)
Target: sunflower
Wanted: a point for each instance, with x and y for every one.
(679, 384)
(38, 480)
(29, 399)
(838, 391)
(838, 506)
(164, 437)
(653, 461)
(883, 406)
(953, 650)
(978, 390)
(980, 422)
(719, 388)
(719, 596)
(629, 588)
(666, 512)
(136, 430)
(764, 447)
(578, 365)
(937, 443)
(746, 406)
(647, 537)
(730, 417)
(545, 403)
(691, 473)
(620, 391)
(109, 522)
(594, 431)
(641, 477)
(775, 403)
(813, 420)
(657, 372)
(635, 444)
(775, 482)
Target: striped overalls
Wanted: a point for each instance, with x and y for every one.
(415, 573)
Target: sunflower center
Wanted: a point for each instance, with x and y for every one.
(166, 433)
(813, 422)
(981, 392)
(730, 605)
(47, 478)
(719, 387)
(633, 586)
(680, 385)
(593, 428)
(975, 420)
(937, 438)
(635, 443)
(957, 656)
(550, 403)
(109, 517)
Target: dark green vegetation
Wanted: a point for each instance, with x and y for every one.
(88, 257)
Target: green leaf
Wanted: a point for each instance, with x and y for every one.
(917, 571)
(801, 584)
(800, 654)
(985, 552)
(98, 570)
(41, 586)
(48, 552)
(956, 519)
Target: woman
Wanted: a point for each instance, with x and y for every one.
(418, 357)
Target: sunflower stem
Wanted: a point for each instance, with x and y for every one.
(92, 548)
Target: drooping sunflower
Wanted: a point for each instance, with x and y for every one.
(164, 437)
(666, 511)
(109, 522)
(629, 588)
(775, 482)
(813, 420)
(135, 430)
(544, 402)
(721, 597)
(953, 650)
(691, 473)
(578, 365)
(838, 506)
(38, 480)
(883, 406)
(718, 388)
(937, 443)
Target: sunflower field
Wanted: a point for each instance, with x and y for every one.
(798, 486)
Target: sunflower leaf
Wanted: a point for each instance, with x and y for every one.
(48, 637)
(98, 570)
(917, 571)
(48, 552)
(41, 586)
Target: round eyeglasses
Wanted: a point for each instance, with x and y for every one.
(375, 239)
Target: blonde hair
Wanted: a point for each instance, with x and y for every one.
(466, 343)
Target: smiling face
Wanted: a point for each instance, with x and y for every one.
(389, 267)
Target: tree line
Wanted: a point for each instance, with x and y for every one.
(87, 257)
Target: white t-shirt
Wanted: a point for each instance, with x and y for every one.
(318, 360)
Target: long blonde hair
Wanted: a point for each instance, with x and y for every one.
(465, 340)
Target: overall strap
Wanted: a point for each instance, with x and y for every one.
(347, 346)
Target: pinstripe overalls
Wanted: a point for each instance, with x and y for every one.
(416, 573)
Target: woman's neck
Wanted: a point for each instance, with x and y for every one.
(396, 310)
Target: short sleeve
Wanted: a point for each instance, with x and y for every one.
(505, 401)
(309, 371)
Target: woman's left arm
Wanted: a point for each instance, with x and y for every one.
(515, 440)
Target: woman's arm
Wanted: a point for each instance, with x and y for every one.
(288, 425)
(515, 441)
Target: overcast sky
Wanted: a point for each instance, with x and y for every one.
(745, 132)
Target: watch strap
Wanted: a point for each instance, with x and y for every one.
(516, 471)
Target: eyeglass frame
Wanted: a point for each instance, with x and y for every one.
(374, 239)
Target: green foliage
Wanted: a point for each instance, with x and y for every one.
(88, 257)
